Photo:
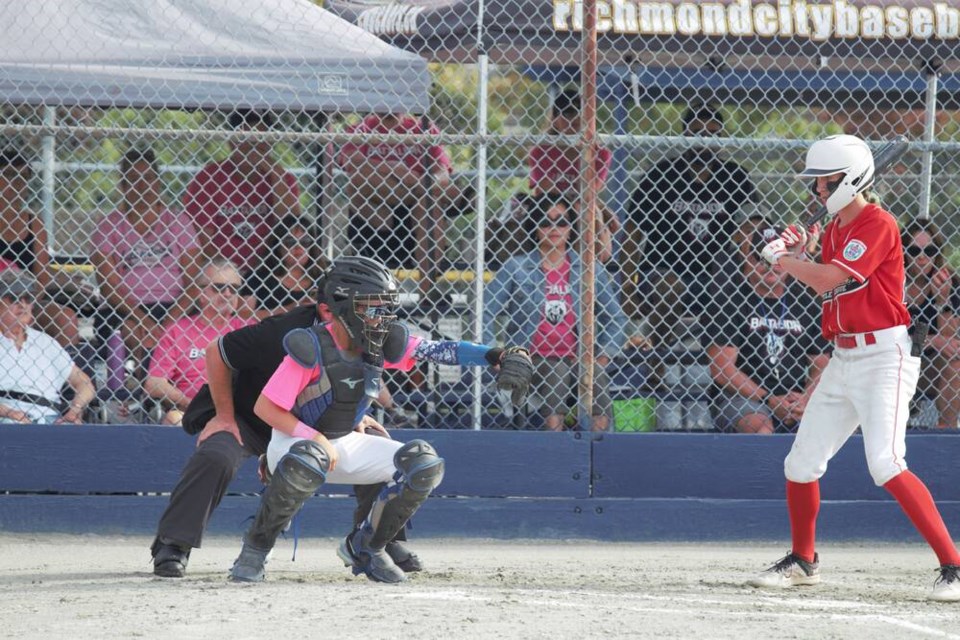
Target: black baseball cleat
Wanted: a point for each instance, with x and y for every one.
(403, 557)
(169, 560)
(376, 564)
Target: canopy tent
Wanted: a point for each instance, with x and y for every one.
(835, 89)
(206, 54)
(522, 30)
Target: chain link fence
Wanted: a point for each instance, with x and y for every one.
(180, 168)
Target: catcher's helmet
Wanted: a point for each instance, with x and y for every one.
(844, 154)
(364, 296)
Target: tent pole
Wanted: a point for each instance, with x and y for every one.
(929, 123)
(481, 241)
(48, 172)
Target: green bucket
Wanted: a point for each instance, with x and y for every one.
(635, 415)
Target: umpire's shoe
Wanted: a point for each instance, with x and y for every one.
(403, 557)
(375, 563)
(169, 560)
(789, 571)
(250, 564)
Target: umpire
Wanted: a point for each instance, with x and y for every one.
(239, 364)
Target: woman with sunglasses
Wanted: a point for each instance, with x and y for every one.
(539, 293)
(178, 366)
(932, 294)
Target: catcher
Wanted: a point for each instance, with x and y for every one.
(318, 395)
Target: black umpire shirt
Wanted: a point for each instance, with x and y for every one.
(688, 223)
(774, 336)
(253, 353)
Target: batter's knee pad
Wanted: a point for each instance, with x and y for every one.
(420, 465)
(299, 473)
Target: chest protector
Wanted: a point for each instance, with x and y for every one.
(334, 402)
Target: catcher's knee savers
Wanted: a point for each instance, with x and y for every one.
(298, 475)
(421, 471)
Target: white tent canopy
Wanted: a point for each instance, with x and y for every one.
(208, 54)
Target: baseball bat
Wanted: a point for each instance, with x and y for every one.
(886, 156)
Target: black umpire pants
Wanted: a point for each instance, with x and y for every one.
(206, 477)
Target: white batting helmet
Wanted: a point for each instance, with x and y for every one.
(844, 154)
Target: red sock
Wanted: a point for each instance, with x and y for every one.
(917, 503)
(803, 502)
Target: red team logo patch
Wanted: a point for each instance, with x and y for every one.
(854, 250)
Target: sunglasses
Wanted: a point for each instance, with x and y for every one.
(25, 299)
(225, 287)
(931, 251)
(289, 242)
(547, 222)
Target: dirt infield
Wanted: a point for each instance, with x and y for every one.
(55, 586)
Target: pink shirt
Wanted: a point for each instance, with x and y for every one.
(179, 356)
(562, 167)
(148, 264)
(411, 155)
(556, 335)
(290, 378)
(237, 209)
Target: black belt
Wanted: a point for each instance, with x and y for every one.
(40, 401)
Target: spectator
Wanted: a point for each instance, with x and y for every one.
(33, 366)
(555, 168)
(932, 294)
(146, 257)
(539, 292)
(235, 204)
(765, 347)
(178, 366)
(681, 214)
(23, 245)
(391, 217)
(288, 276)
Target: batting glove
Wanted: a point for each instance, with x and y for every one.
(775, 250)
(795, 238)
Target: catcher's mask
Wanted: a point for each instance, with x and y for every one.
(364, 296)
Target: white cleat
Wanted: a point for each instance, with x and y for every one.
(789, 571)
(946, 588)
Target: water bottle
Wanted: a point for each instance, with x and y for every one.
(116, 355)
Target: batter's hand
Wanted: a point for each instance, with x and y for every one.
(775, 250)
(795, 238)
(218, 423)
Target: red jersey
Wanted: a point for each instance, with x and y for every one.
(239, 210)
(559, 167)
(411, 155)
(869, 249)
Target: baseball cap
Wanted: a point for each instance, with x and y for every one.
(566, 102)
(763, 236)
(16, 284)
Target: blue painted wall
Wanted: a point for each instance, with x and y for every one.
(500, 484)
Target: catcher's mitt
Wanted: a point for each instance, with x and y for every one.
(516, 373)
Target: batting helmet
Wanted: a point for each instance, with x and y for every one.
(364, 296)
(844, 154)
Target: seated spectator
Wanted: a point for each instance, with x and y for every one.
(237, 203)
(681, 215)
(391, 217)
(33, 366)
(178, 366)
(765, 347)
(288, 276)
(23, 245)
(932, 294)
(146, 257)
(539, 294)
